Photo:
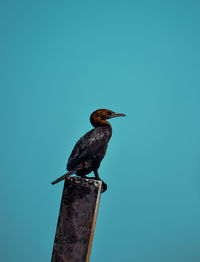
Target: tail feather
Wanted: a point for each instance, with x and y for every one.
(63, 177)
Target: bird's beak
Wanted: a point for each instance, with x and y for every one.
(116, 115)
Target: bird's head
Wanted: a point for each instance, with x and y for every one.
(99, 117)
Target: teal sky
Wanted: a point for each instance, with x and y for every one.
(60, 61)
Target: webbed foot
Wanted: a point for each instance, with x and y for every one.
(104, 187)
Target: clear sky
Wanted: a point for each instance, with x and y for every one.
(61, 60)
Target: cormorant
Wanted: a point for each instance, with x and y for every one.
(91, 148)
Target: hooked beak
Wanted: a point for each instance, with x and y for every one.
(116, 115)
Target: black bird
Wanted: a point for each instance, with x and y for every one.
(91, 148)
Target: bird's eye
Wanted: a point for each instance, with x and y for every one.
(109, 113)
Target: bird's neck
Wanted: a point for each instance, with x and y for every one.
(99, 122)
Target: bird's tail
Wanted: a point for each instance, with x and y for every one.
(63, 177)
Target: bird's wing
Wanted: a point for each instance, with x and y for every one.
(88, 146)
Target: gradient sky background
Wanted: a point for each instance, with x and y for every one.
(61, 60)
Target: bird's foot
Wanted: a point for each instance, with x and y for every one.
(104, 185)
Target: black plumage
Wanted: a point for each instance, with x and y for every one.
(91, 148)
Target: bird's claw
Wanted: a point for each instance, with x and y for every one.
(104, 187)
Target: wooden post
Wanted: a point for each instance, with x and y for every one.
(77, 220)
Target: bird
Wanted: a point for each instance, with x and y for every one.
(91, 148)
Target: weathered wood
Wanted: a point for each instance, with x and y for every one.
(77, 219)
